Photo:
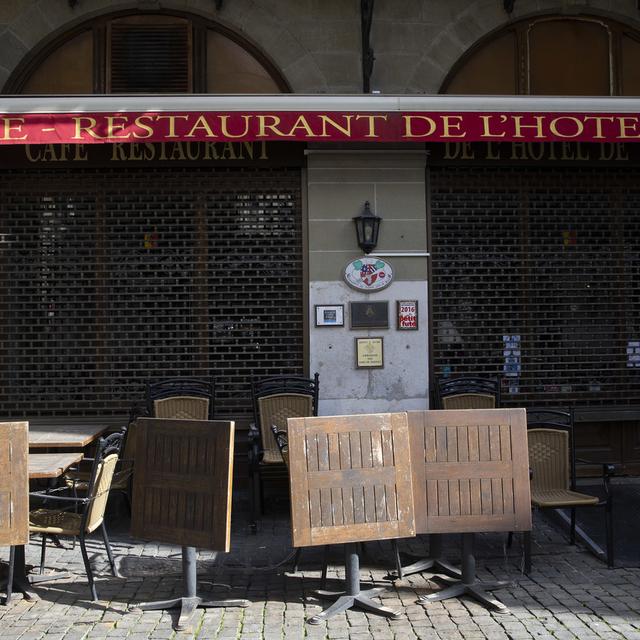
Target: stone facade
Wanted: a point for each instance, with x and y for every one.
(316, 46)
(316, 43)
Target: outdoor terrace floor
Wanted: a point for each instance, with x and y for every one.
(570, 593)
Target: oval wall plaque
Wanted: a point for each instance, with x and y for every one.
(368, 274)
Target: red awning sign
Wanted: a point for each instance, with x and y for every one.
(317, 126)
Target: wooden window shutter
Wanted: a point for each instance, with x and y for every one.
(150, 58)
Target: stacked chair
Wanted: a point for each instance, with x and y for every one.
(181, 399)
(275, 399)
(461, 392)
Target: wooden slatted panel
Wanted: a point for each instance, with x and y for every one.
(470, 470)
(350, 480)
(14, 483)
(183, 482)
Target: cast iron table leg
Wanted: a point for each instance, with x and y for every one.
(353, 596)
(190, 601)
(468, 585)
(22, 582)
(434, 564)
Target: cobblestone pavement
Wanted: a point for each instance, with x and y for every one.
(570, 593)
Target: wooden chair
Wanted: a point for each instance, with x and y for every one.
(181, 399)
(467, 392)
(275, 399)
(553, 474)
(66, 521)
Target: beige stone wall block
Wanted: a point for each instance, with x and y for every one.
(31, 26)
(369, 156)
(402, 235)
(332, 235)
(11, 9)
(395, 235)
(389, 174)
(334, 201)
(341, 68)
(402, 201)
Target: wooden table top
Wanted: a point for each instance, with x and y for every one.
(51, 465)
(64, 434)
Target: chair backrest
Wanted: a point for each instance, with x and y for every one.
(551, 450)
(182, 408)
(469, 401)
(181, 398)
(275, 410)
(277, 398)
(104, 465)
(467, 392)
(549, 459)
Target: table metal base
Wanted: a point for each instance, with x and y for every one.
(22, 582)
(434, 564)
(353, 596)
(468, 584)
(190, 601)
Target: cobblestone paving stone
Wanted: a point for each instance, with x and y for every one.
(570, 593)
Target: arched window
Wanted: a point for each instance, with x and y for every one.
(552, 55)
(146, 53)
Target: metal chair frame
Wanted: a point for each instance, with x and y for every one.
(261, 389)
(112, 444)
(471, 389)
(563, 420)
(466, 385)
(172, 387)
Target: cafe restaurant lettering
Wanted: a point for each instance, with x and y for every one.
(317, 126)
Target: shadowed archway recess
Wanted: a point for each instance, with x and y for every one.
(144, 52)
(551, 55)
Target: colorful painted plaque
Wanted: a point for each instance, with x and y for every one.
(368, 274)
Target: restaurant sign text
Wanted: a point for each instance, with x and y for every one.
(306, 126)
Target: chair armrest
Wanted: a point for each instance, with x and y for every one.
(608, 468)
(608, 471)
(49, 496)
(282, 439)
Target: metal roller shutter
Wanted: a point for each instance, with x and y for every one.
(112, 278)
(535, 277)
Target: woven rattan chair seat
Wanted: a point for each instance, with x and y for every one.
(78, 480)
(560, 498)
(54, 521)
(271, 457)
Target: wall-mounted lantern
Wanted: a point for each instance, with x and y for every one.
(367, 227)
